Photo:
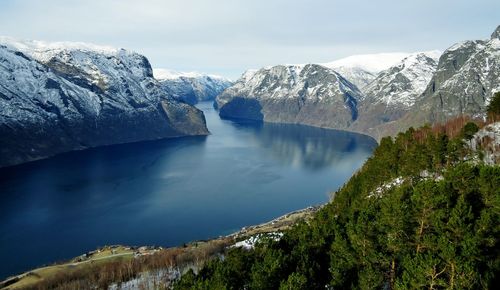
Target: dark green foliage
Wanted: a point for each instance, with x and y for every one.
(437, 228)
(494, 107)
(469, 130)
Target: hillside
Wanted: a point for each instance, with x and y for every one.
(191, 87)
(58, 97)
(421, 213)
(307, 94)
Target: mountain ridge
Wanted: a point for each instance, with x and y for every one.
(74, 98)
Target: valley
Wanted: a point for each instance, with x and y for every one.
(369, 171)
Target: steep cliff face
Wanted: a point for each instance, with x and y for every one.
(191, 87)
(395, 91)
(467, 76)
(421, 87)
(320, 96)
(308, 94)
(66, 96)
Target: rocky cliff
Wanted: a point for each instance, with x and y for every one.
(307, 94)
(394, 91)
(57, 97)
(467, 76)
(419, 88)
(191, 87)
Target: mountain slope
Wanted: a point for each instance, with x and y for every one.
(66, 96)
(394, 91)
(308, 94)
(305, 93)
(363, 69)
(422, 212)
(402, 83)
(191, 87)
(467, 76)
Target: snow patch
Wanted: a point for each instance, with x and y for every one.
(373, 63)
(167, 74)
(379, 191)
(253, 240)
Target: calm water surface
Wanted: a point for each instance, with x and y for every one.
(171, 191)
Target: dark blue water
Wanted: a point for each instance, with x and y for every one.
(171, 191)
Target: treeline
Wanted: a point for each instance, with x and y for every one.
(102, 274)
(421, 213)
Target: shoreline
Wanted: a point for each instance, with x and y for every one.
(117, 253)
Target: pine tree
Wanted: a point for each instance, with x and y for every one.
(493, 109)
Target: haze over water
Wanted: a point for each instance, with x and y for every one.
(168, 192)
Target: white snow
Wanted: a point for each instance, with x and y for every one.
(42, 50)
(404, 82)
(373, 63)
(251, 241)
(290, 82)
(488, 141)
(167, 74)
(379, 191)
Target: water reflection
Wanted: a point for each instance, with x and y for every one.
(170, 191)
(308, 147)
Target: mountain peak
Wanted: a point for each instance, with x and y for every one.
(404, 82)
(373, 63)
(496, 33)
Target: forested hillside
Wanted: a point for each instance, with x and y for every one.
(422, 212)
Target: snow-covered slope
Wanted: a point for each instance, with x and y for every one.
(66, 96)
(309, 94)
(395, 90)
(362, 69)
(191, 87)
(401, 84)
(467, 76)
(374, 63)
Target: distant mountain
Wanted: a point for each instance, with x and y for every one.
(467, 76)
(402, 83)
(363, 69)
(394, 91)
(308, 94)
(317, 95)
(57, 97)
(191, 87)
(409, 90)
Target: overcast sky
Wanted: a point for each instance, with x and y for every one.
(227, 37)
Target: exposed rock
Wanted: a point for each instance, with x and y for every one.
(467, 76)
(487, 140)
(191, 87)
(65, 96)
(394, 91)
(307, 94)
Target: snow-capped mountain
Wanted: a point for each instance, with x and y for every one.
(401, 84)
(363, 69)
(57, 97)
(411, 90)
(312, 94)
(467, 76)
(308, 94)
(395, 90)
(191, 87)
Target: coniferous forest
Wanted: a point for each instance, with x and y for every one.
(422, 213)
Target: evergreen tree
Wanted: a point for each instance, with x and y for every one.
(493, 109)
